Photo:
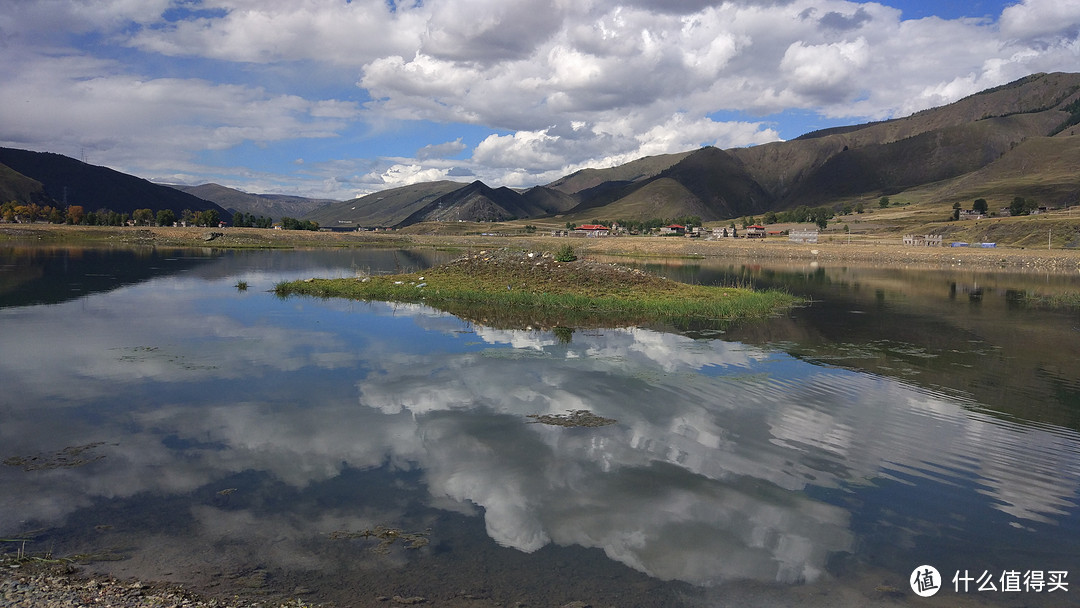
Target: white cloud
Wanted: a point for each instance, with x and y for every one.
(442, 150)
(403, 175)
(825, 70)
(1041, 18)
(341, 33)
(522, 149)
(559, 84)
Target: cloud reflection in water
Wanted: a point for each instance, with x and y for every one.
(704, 478)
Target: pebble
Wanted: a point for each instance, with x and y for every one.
(60, 587)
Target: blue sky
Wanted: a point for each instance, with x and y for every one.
(336, 98)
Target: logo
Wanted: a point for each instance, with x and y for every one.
(925, 581)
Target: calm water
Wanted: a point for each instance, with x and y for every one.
(154, 414)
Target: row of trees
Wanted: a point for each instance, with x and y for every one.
(1018, 206)
(799, 215)
(690, 221)
(13, 211)
(248, 220)
(289, 223)
(77, 215)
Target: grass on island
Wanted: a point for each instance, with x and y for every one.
(523, 289)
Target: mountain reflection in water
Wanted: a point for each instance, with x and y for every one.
(260, 427)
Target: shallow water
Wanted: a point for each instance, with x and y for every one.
(249, 444)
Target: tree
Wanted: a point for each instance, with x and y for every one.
(1022, 206)
(290, 223)
(770, 217)
(207, 218)
(955, 211)
(980, 206)
(859, 208)
(883, 202)
(75, 214)
(166, 217)
(142, 216)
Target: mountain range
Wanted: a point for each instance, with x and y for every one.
(1019, 139)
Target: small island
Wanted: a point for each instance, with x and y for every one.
(517, 289)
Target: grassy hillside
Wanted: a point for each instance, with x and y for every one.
(633, 171)
(270, 205)
(386, 208)
(15, 186)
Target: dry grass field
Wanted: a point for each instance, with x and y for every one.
(864, 246)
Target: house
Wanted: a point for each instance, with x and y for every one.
(803, 236)
(756, 231)
(592, 230)
(672, 229)
(922, 240)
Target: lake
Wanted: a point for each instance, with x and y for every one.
(169, 425)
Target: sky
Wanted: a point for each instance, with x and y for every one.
(341, 98)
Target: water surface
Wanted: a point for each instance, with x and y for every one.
(347, 451)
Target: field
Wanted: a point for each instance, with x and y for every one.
(872, 239)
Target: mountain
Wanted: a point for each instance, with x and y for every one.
(589, 183)
(929, 146)
(958, 146)
(15, 186)
(67, 181)
(478, 202)
(1019, 139)
(382, 209)
(269, 205)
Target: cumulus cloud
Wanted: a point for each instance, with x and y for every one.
(442, 150)
(275, 71)
(1042, 18)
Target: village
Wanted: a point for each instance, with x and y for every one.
(752, 231)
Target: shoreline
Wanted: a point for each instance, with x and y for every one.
(878, 251)
(52, 585)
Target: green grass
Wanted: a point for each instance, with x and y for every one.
(515, 293)
(1058, 301)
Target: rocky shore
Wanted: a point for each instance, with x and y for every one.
(62, 586)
